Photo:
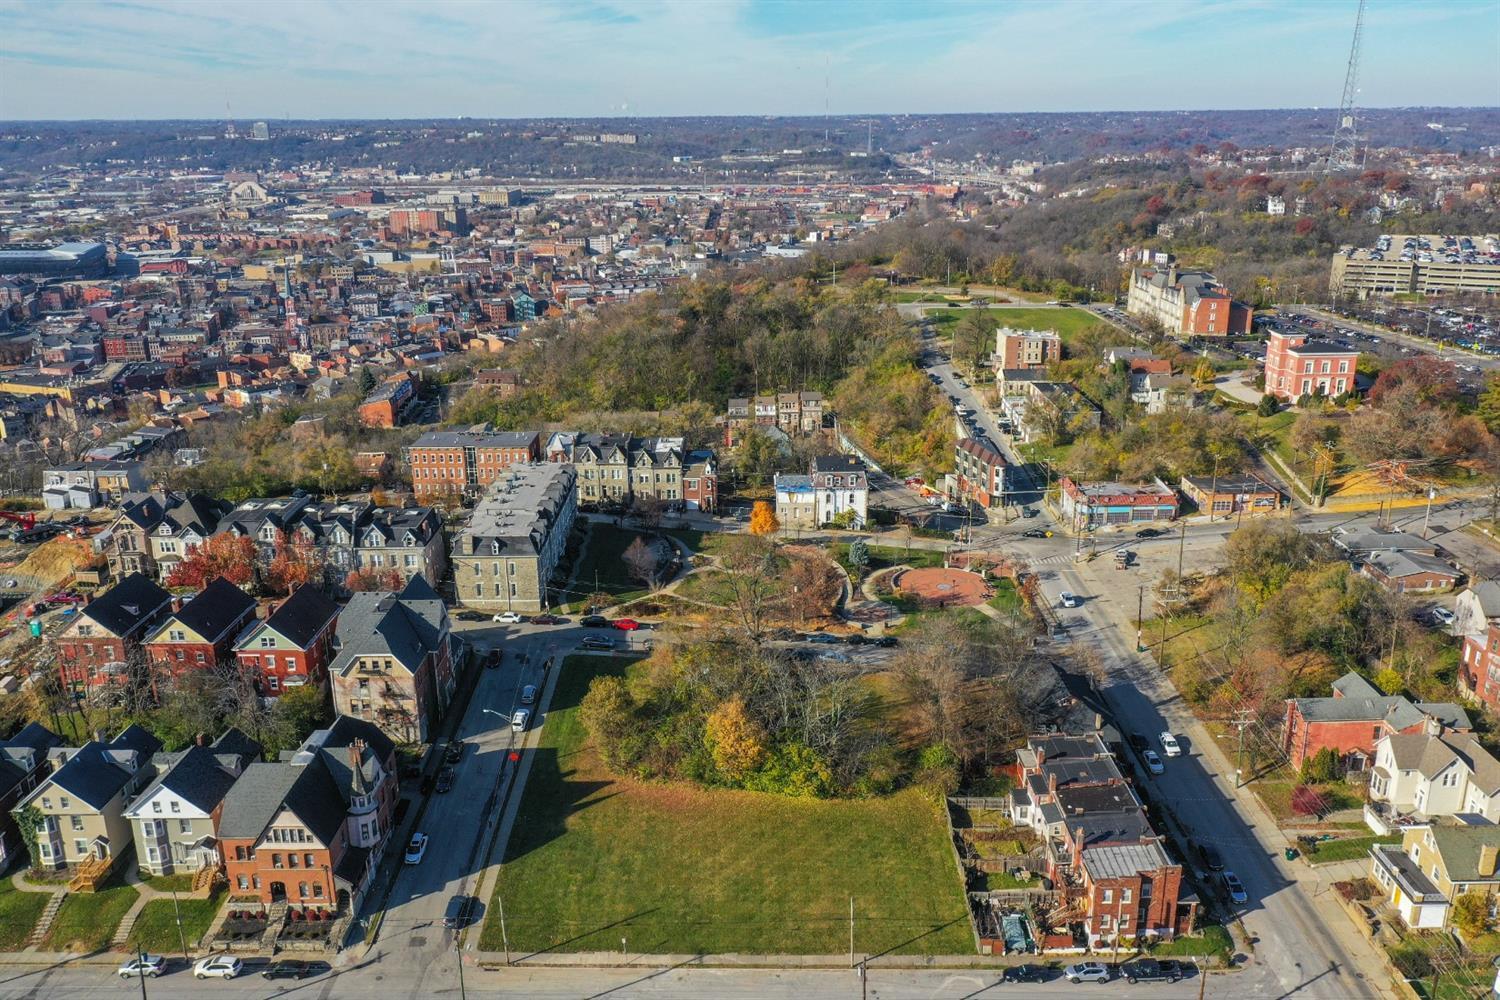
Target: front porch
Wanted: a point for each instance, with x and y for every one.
(1410, 893)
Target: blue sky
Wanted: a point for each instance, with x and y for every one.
(524, 58)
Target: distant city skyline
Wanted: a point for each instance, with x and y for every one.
(151, 59)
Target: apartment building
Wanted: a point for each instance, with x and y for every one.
(796, 414)
(397, 660)
(1297, 366)
(1477, 620)
(86, 485)
(201, 634)
(981, 472)
(1110, 866)
(835, 491)
(391, 402)
(1434, 773)
(446, 465)
(1020, 350)
(617, 470)
(1357, 716)
(156, 531)
(292, 646)
(506, 553)
(23, 764)
(97, 646)
(1186, 303)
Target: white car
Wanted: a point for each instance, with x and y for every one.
(1153, 762)
(223, 966)
(1087, 972)
(508, 618)
(1070, 600)
(143, 965)
(1443, 616)
(417, 849)
(1170, 746)
(520, 720)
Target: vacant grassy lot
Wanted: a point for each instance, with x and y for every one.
(603, 561)
(674, 868)
(86, 921)
(18, 914)
(155, 929)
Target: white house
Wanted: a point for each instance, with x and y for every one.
(175, 820)
(1433, 774)
(842, 486)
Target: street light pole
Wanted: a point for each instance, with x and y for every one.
(1431, 495)
(1140, 608)
(177, 913)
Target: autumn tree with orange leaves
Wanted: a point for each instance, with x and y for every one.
(228, 555)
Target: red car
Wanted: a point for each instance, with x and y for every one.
(626, 624)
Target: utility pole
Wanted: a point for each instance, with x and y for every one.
(1140, 608)
(1181, 546)
(1213, 496)
(851, 930)
(177, 912)
(1431, 495)
(1241, 720)
(504, 937)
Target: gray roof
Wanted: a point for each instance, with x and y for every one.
(1124, 860)
(1361, 702)
(475, 437)
(519, 510)
(406, 627)
(1395, 565)
(1487, 593)
(1430, 755)
(1364, 540)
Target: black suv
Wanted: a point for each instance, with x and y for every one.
(594, 621)
(1149, 970)
(294, 969)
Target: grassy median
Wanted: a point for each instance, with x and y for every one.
(672, 868)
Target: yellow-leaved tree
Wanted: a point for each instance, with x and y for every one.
(736, 741)
(763, 519)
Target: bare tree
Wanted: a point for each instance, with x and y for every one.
(752, 575)
(641, 560)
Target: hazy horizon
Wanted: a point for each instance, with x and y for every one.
(326, 60)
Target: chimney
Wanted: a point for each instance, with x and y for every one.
(1052, 784)
(1431, 726)
(1041, 756)
(1487, 857)
(201, 739)
(98, 736)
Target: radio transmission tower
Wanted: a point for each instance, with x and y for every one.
(1345, 140)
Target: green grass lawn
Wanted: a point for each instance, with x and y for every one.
(886, 556)
(169, 883)
(672, 868)
(1345, 848)
(86, 921)
(155, 929)
(603, 561)
(18, 914)
(1006, 599)
(1211, 939)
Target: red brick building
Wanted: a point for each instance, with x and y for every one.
(1297, 366)
(126, 347)
(980, 471)
(1019, 350)
(311, 831)
(95, 647)
(1479, 665)
(1355, 718)
(293, 645)
(454, 463)
(201, 634)
(1102, 853)
(390, 402)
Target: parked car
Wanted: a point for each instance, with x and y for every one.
(626, 624)
(1025, 511)
(456, 916)
(294, 968)
(1036, 533)
(1153, 762)
(1027, 974)
(222, 966)
(886, 641)
(143, 965)
(471, 616)
(509, 618)
(528, 694)
(1235, 888)
(1149, 970)
(1088, 972)
(1138, 743)
(1212, 859)
(1068, 599)
(1148, 533)
(416, 849)
(1442, 616)
(545, 619)
(858, 639)
(445, 780)
(1170, 746)
(822, 638)
(520, 720)
(597, 642)
(455, 751)
(594, 621)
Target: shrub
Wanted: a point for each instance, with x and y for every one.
(1412, 963)
(1321, 766)
(793, 769)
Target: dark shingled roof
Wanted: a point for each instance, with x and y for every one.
(97, 771)
(301, 616)
(217, 608)
(194, 775)
(127, 604)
